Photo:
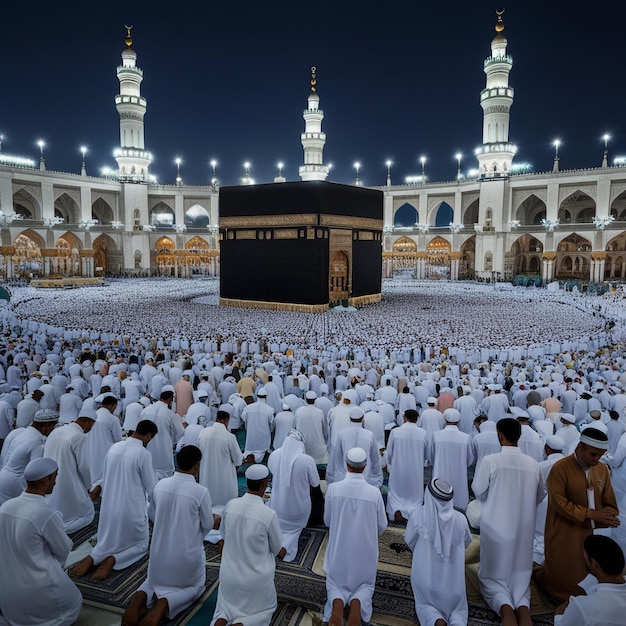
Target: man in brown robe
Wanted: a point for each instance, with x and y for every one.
(580, 498)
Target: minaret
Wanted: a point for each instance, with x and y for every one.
(313, 139)
(132, 159)
(496, 155)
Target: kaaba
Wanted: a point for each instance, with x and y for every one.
(302, 246)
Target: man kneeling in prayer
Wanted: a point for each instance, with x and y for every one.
(176, 569)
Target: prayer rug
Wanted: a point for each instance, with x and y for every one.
(83, 534)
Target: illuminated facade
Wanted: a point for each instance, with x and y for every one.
(498, 224)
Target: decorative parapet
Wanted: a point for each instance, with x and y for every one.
(600, 255)
(549, 256)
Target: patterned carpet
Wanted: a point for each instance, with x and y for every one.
(302, 590)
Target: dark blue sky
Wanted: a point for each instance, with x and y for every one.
(230, 80)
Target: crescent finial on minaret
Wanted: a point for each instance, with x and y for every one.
(500, 23)
(129, 39)
(313, 78)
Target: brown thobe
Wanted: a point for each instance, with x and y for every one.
(567, 525)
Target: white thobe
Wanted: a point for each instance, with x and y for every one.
(542, 510)
(182, 516)
(103, 434)
(530, 443)
(605, 606)
(35, 589)
(26, 445)
(484, 443)
(357, 437)
(221, 456)
(439, 584)
(452, 454)
(509, 486)
(406, 452)
(161, 447)
(312, 423)
(618, 469)
(123, 525)
(283, 423)
(252, 539)
(291, 499)
(67, 445)
(259, 420)
(355, 516)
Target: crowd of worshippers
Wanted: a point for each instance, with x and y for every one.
(530, 455)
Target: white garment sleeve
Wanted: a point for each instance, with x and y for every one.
(56, 539)
(480, 484)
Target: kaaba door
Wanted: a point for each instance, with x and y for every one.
(339, 277)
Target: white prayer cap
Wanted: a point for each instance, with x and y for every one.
(351, 395)
(46, 415)
(39, 468)
(261, 393)
(452, 415)
(594, 438)
(369, 395)
(441, 489)
(203, 393)
(595, 413)
(286, 407)
(257, 472)
(523, 414)
(555, 442)
(431, 400)
(88, 413)
(568, 417)
(144, 401)
(356, 457)
(167, 388)
(356, 414)
(310, 395)
(324, 388)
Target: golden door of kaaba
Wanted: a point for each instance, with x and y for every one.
(339, 277)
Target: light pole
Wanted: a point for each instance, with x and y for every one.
(83, 169)
(388, 164)
(423, 162)
(280, 178)
(556, 143)
(458, 156)
(605, 157)
(214, 179)
(357, 167)
(179, 180)
(42, 161)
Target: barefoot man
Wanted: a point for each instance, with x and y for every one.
(128, 480)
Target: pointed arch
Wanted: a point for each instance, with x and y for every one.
(404, 244)
(444, 214)
(406, 215)
(65, 206)
(531, 210)
(617, 243)
(162, 216)
(27, 259)
(34, 236)
(197, 217)
(470, 216)
(468, 257)
(105, 240)
(574, 243)
(525, 256)
(438, 245)
(165, 244)
(26, 205)
(577, 208)
(101, 210)
(618, 207)
(73, 242)
(526, 243)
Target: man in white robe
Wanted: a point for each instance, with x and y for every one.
(127, 483)
(22, 446)
(252, 541)
(105, 432)
(312, 423)
(554, 451)
(294, 474)
(73, 496)
(451, 454)
(170, 430)
(182, 515)
(509, 487)
(438, 536)
(221, 456)
(355, 516)
(259, 420)
(34, 587)
(405, 456)
(356, 436)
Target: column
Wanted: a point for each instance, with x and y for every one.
(548, 266)
(599, 261)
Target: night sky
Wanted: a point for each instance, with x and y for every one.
(229, 80)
